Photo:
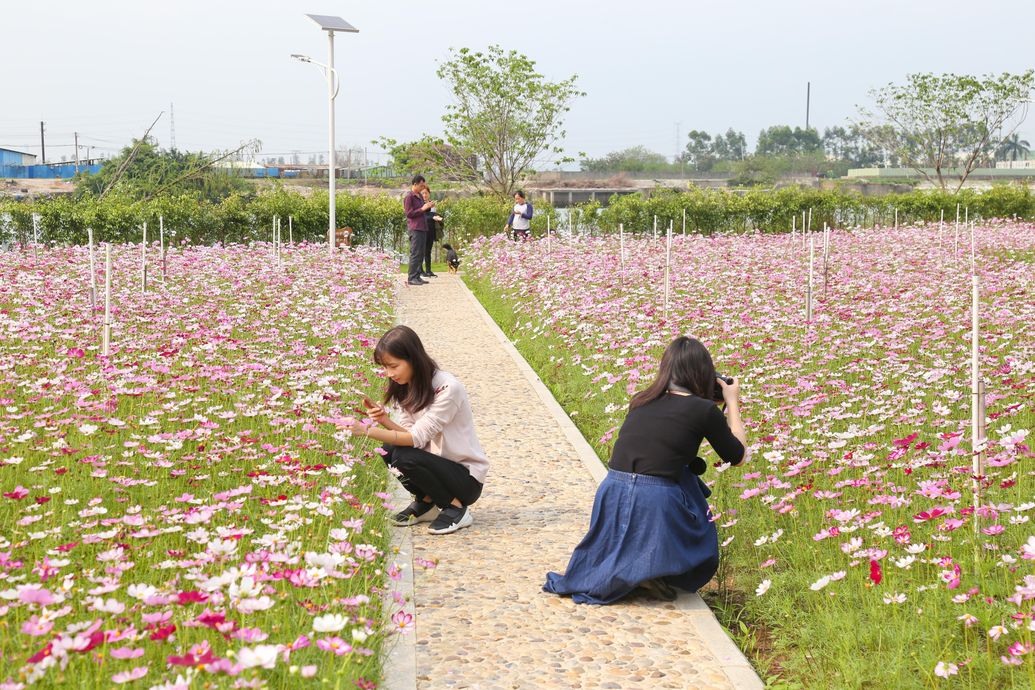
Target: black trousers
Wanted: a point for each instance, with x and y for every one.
(418, 238)
(426, 474)
(429, 241)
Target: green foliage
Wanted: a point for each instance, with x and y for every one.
(504, 116)
(237, 219)
(142, 171)
(633, 159)
(781, 140)
(949, 123)
(722, 210)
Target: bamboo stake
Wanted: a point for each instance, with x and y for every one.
(93, 276)
(621, 248)
(106, 330)
(975, 394)
(161, 244)
(808, 294)
(143, 261)
(668, 266)
(35, 238)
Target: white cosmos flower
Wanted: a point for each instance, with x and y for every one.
(894, 598)
(87, 429)
(820, 583)
(332, 622)
(244, 589)
(763, 587)
(259, 656)
(222, 547)
(252, 605)
(141, 591)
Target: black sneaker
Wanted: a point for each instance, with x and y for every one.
(416, 282)
(418, 511)
(429, 274)
(451, 519)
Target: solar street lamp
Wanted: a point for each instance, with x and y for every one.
(330, 25)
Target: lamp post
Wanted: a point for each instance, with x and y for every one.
(330, 25)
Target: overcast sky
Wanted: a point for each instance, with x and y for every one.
(107, 68)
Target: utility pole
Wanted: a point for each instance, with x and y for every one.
(77, 153)
(808, 102)
(43, 146)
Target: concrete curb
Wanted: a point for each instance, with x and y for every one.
(735, 665)
(400, 663)
(399, 670)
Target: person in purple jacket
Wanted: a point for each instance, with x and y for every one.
(520, 220)
(417, 225)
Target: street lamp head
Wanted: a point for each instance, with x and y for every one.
(301, 58)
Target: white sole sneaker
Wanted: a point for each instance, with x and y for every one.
(465, 521)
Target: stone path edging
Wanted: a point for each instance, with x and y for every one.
(735, 665)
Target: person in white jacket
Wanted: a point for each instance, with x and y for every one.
(433, 447)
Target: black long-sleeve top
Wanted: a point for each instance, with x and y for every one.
(664, 435)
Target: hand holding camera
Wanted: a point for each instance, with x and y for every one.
(727, 390)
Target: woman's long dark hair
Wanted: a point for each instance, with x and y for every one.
(402, 342)
(686, 362)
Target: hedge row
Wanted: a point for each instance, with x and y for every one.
(379, 220)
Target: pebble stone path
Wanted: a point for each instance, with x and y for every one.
(482, 620)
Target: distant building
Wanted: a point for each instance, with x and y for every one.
(12, 157)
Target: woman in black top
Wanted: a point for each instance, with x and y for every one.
(650, 525)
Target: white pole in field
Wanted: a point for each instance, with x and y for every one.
(808, 294)
(161, 244)
(621, 247)
(684, 222)
(549, 242)
(291, 236)
(668, 265)
(956, 238)
(655, 228)
(826, 256)
(35, 238)
(974, 392)
(941, 226)
(794, 230)
(973, 255)
(966, 214)
(93, 276)
(896, 217)
(143, 260)
(106, 330)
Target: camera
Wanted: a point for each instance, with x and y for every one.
(717, 390)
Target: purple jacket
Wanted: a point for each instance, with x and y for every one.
(415, 219)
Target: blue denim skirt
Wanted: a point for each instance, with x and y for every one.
(642, 528)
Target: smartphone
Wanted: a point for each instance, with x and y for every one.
(368, 403)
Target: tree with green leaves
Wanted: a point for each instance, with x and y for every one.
(143, 171)
(632, 159)
(944, 125)
(729, 147)
(505, 116)
(781, 140)
(1013, 147)
(698, 152)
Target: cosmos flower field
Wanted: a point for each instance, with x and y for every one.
(177, 514)
(852, 552)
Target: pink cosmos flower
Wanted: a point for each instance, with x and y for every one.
(36, 626)
(131, 675)
(334, 644)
